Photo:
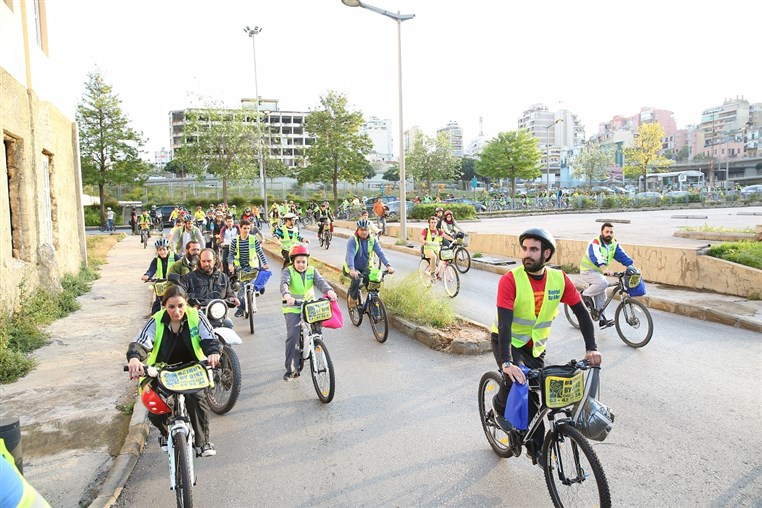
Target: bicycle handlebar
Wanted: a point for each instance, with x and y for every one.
(152, 279)
(578, 364)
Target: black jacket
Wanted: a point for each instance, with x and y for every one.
(204, 287)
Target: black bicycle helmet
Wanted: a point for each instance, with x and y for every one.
(548, 242)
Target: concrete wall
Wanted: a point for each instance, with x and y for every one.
(664, 265)
(40, 239)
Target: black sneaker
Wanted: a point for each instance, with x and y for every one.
(208, 450)
(605, 323)
(239, 313)
(287, 376)
(500, 420)
(535, 455)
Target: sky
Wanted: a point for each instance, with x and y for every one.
(461, 60)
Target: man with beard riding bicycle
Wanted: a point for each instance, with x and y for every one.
(527, 303)
(207, 281)
(186, 264)
(357, 262)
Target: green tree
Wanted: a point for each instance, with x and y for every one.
(392, 174)
(592, 164)
(109, 147)
(338, 152)
(432, 159)
(220, 142)
(645, 154)
(511, 155)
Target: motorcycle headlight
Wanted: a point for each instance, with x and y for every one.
(217, 310)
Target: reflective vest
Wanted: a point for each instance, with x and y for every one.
(289, 241)
(253, 258)
(371, 243)
(432, 244)
(526, 325)
(300, 289)
(607, 251)
(16, 491)
(160, 265)
(193, 321)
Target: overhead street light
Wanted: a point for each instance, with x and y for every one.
(547, 152)
(251, 32)
(399, 18)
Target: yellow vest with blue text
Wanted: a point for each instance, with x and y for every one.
(432, 244)
(371, 243)
(607, 251)
(193, 321)
(253, 258)
(526, 325)
(300, 289)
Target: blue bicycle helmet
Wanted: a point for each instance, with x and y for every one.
(161, 242)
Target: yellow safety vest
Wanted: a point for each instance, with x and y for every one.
(253, 258)
(526, 325)
(160, 266)
(432, 244)
(193, 321)
(29, 497)
(289, 240)
(371, 243)
(608, 252)
(300, 289)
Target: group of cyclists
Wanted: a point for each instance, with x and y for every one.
(528, 297)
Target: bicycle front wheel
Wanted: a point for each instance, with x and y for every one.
(571, 316)
(498, 440)
(250, 309)
(573, 473)
(322, 372)
(462, 260)
(183, 480)
(634, 323)
(379, 322)
(451, 281)
(355, 314)
(423, 276)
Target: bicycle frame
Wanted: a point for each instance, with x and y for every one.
(180, 422)
(618, 289)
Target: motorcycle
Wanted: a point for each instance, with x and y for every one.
(227, 376)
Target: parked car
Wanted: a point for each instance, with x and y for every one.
(751, 191)
(648, 197)
(394, 209)
(479, 207)
(166, 211)
(384, 199)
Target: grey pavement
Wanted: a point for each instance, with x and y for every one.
(71, 428)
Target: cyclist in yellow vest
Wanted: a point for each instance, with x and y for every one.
(527, 303)
(245, 253)
(15, 491)
(159, 267)
(361, 248)
(594, 267)
(288, 235)
(298, 282)
(177, 334)
(431, 238)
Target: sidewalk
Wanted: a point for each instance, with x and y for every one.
(71, 427)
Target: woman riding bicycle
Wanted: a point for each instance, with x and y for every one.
(176, 334)
(431, 238)
(451, 227)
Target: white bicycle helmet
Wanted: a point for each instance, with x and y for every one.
(161, 242)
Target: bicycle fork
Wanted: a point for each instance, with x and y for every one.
(180, 426)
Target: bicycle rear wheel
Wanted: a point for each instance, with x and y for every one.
(183, 480)
(573, 473)
(451, 281)
(498, 440)
(379, 322)
(571, 316)
(322, 372)
(320, 238)
(634, 323)
(462, 260)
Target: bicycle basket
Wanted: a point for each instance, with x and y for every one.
(562, 386)
(595, 421)
(638, 290)
(187, 380)
(160, 287)
(375, 275)
(317, 311)
(247, 275)
(464, 240)
(446, 254)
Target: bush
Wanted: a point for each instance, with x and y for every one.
(408, 299)
(459, 210)
(743, 253)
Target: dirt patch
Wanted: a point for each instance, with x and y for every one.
(464, 332)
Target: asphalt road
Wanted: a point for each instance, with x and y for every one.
(403, 428)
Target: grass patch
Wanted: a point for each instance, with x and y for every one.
(743, 253)
(706, 228)
(400, 242)
(477, 255)
(569, 268)
(408, 299)
(23, 332)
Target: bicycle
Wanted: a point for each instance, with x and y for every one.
(250, 294)
(633, 321)
(172, 383)
(313, 313)
(565, 404)
(370, 303)
(144, 234)
(462, 258)
(445, 272)
(325, 235)
(158, 223)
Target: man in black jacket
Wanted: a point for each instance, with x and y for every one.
(207, 281)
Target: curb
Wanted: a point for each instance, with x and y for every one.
(125, 462)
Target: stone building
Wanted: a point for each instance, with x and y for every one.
(42, 233)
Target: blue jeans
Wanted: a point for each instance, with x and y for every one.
(109, 224)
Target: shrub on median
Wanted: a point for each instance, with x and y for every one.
(408, 299)
(743, 253)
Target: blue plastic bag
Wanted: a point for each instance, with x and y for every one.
(517, 405)
(262, 277)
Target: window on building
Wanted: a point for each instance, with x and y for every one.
(40, 25)
(47, 202)
(12, 148)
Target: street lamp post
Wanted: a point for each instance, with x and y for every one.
(251, 32)
(399, 18)
(547, 152)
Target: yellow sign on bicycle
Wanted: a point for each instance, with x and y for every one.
(187, 379)
(319, 310)
(564, 391)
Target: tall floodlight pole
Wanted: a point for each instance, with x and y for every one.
(399, 18)
(251, 32)
(547, 152)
